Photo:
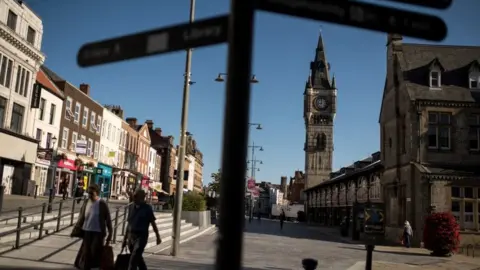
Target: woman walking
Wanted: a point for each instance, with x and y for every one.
(407, 234)
(96, 224)
(282, 219)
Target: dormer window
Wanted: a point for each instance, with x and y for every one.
(474, 75)
(435, 79)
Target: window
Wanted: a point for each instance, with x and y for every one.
(89, 147)
(93, 117)
(12, 20)
(468, 215)
(38, 136)
(474, 79)
(6, 67)
(42, 109)
(456, 210)
(439, 130)
(23, 80)
(99, 124)
(78, 106)
(468, 192)
(104, 127)
(95, 151)
(49, 140)
(3, 106)
(109, 134)
(102, 154)
(74, 141)
(474, 132)
(31, 35)
(53, 108)
(64, 142)
(68, 108)
(435, 81)
(85, 117)
(455, 192)
(17, 118)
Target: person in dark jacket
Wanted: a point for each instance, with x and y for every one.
(282, 219)
(96, 224)
(140, 217)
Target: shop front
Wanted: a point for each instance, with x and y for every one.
(103, 178)
(65, 171)
(40, 173)
(145, 184)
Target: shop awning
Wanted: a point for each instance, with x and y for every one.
(157, 186)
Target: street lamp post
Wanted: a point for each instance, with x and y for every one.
(54, 172)
(181, 155)
(252, 174)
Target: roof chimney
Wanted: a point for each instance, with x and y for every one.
(85, 88)
(149, 124)
(158, 131)
(132, 122)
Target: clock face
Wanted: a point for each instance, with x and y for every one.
(320, 103)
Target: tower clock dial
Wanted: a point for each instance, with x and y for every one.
(320, 103)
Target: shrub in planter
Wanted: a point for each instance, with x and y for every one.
(301, 217)
(193, 202)
(441, 234)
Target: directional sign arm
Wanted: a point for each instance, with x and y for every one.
(438, 4)
(179, 37)
(362, 15)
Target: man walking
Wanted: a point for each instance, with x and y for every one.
(139, 219)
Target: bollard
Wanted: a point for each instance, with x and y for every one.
(19, 227)
(36, 192)
(50, 200)
(42, 220)
(72, 216)
(59, 218)
(115, 225)
(368, 261)
(309, 264)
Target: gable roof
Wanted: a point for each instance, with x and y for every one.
(47, 84)
(139, 128)
(456, 61)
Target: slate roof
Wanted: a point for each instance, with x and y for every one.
(43, 79)
(449, 172)
(456, 61)
(52, 75)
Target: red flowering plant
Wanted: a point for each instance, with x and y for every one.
(441, 233)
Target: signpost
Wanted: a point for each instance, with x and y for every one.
(237, 28)
(163, 40)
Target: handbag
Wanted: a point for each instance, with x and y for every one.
(107, 262)
(122, 261)
(77, 232)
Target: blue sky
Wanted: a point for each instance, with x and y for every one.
(151, 88)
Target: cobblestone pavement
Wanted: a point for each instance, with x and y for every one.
(267, 247)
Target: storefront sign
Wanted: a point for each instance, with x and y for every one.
(36, 95)
(99, 171)
(105, 170)
(67, 164)
(81, 147)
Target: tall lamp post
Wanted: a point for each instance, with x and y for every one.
(183, 135)
(54, 172)
(252, 174)
(221, 79)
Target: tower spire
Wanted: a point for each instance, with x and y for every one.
(320, 66)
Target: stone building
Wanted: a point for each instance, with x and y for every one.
(296, 188)
(430, 135)
(143, 150)
(319, 108)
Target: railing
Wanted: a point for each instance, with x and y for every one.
(469, 250)
(22, 225)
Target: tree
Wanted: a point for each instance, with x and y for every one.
(441, 233)
(215, 184)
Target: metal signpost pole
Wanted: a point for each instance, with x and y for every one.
(52, 184)
(235, 135)
(183, 137)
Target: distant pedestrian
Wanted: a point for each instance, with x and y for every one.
(96, 223)
(407, 234)
(282, 219)
(79, 190)
(64, 188)
(140, 217)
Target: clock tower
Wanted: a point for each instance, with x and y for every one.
(320, 98)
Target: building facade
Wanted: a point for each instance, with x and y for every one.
(198, 177)
(143, 150)
(80, 128)
(108, 156)
(119, 183)
(166, 149)
(430, 135)
(320, 99)
(129, 172)
(152, 158)
(21, 32)
(46, 125)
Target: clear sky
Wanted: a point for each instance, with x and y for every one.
(151, 88)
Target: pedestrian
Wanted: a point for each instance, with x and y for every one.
(282, 219)
(407, 234)
(79, 190)
(64, 188)
(96, 223)
(140, 217)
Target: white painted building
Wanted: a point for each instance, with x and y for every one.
(110, 144)
(152, 156)
(46, 126)
(191, 171)
(21, 33)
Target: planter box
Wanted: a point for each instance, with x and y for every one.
(197, 218)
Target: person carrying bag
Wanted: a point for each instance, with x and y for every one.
(93, 225)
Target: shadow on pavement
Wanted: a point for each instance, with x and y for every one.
(294, 230)
(392, 252)
(172, 264)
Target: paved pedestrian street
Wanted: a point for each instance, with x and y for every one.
(266, 247)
